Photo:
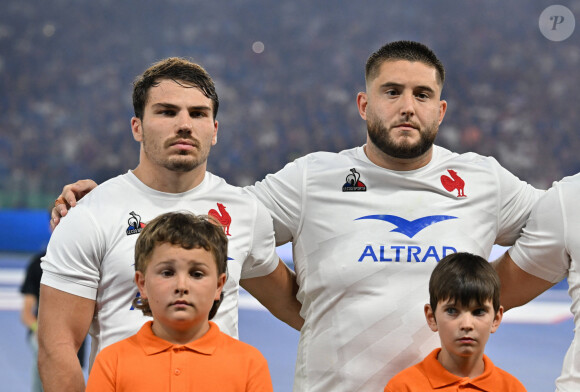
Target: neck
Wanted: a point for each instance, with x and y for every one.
(184, 335)
(165, 180)
(383, 160)
(469, 366)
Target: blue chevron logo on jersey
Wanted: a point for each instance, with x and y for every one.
(409, 228)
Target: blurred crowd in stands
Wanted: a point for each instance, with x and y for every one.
(66, 71)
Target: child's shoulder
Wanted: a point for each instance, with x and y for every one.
(233, 344)
(508, 381)
(236, 350)
(407, 380)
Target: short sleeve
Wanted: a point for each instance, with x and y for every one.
(541, 250)
(262, 259)
(516, 201)
(281, 193)
(74, 253)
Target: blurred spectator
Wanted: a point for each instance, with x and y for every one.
(62, 73)
(30, 290)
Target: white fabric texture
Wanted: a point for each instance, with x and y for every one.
(91, 252)
(365, 240)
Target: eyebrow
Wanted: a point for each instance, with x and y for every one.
(172, 106)
(171, 262)
(393, 84)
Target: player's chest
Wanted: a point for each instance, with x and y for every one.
(129, 221)
(366, 200)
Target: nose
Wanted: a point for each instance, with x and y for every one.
(407, 105)
(466, 322)
(184, 122)
(181, 287)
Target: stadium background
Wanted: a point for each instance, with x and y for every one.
(287, 74)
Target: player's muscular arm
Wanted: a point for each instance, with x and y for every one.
(68, 198)
(517, 286)
(63, 323)
(277, 292)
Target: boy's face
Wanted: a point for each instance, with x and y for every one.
(463, 331)
(181, 286)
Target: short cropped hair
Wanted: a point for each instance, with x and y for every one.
(403, 50)
(181, 71)
(188, 231)
(464, 278)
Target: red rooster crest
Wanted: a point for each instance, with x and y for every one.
(455, 182)
(222, 217)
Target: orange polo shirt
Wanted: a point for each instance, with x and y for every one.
(214, 362)
(430, 375)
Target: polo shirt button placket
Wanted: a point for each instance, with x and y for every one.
(177, 372)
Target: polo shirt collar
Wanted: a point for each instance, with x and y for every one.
(152, 344)
(439, 377)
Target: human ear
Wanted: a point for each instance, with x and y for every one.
(137, 129)
(442, 110)
(430, 317)
(497, 320)
(140, 281)
(361, 102)
(220, 286)
(215, 132)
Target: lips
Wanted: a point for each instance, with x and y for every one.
(182, 143)
(407, 125)
(181, 303)
(466, 339)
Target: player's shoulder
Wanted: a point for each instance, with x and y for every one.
(442, 154)
(569, 182)
(109, 189)
(467, 162)
(228, 192)
(108, 199)
(214, 181)
(332, 158)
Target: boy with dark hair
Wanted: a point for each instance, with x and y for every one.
(180, 270)
(464, 308)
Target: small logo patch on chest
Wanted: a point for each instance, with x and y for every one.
(134, 224)
(353, 182)
(453, 183)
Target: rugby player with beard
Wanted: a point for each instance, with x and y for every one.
(363, 254)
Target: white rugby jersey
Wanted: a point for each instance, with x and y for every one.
(549, 248)
(365, 240)
(91, 252)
